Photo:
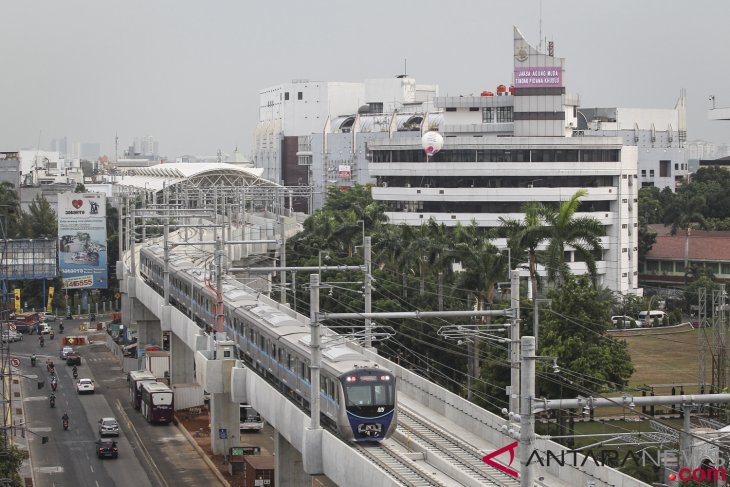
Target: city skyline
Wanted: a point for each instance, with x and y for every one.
(191, 74)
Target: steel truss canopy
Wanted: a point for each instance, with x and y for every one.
(192, 175)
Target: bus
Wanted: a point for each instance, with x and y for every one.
(250, 420)
(157, 402)
(135, 379)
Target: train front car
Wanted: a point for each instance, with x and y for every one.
(370, 399)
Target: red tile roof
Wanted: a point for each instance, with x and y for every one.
(703, 245)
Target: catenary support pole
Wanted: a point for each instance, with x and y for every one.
(527, 419)
(514, 348)
(316, 351)
(368, 292)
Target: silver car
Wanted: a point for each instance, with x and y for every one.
(108, 427)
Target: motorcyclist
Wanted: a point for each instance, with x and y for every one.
(65, 420)
(33, 360)
(41, 340)
(54, 383)
(51, 334)
(75, 372)
(53, 400)
(60, 327)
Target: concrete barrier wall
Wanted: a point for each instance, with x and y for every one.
(488, 426)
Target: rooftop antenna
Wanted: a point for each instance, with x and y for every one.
(405, 66)
(539, 46)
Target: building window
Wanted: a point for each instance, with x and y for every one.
(473, 109)
(652, 266)
(725, 268)
(498, 115)
(664, 169)
(676, 167)
(651, 173)
(286, 95)
(299, 95)
(450, 109)
(667, 267)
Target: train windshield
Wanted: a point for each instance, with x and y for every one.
(369, 390)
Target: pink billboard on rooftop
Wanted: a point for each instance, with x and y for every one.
(538, 77)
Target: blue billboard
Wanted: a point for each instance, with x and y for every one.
(82, 252)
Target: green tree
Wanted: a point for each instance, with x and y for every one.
(40, 221)
(80, 188)
(564, 228)
(649, 207)
(12, 460)
(9, 209)
(524, 236)
(575, 333)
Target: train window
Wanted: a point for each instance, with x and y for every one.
(273, 351)
(323, 385)
(330, 388)
(262, 343)
(250, 335)
(282, 355)
(382, 394)
(289, 362)
(295, 365)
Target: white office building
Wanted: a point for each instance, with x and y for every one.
(660, 135)
(518, 146)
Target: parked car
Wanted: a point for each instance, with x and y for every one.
(64, 352)
(106, 448)
(50, 317)
(648, 318)
(45, 328)
(108, 427)
(73, 358)
(11, 336)
(85, 386)
(623, 321)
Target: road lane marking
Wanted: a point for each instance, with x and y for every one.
(156, 471)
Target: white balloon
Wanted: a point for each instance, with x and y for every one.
(432, 142)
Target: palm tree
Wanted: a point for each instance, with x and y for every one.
(682, 213)
(525, 236)
(582, 233)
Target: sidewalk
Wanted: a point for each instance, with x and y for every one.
(19, 437)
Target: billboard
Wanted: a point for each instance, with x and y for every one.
(82, 256)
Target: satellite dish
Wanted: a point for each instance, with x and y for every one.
(432, 142)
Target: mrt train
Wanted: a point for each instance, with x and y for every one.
(357, 397)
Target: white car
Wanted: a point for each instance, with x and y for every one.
(85, 386)
(11, 336)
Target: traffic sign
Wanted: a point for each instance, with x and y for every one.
(13, 327)
(15, 362)
(222, 433)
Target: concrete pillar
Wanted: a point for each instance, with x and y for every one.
(289, 468)
(150, 332)
(182, 362)
(224, 415)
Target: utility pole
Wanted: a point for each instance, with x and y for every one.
(282, 258)
(514, 344)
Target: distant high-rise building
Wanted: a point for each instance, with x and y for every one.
(90, 152)
(60, 146)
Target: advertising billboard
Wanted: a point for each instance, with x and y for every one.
(82, 256)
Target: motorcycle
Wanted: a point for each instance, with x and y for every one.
(51, 335)
(54, 384)
(65, 422)
(53, 400)
(60, 328)
(42, 342)
(33, 360)
(76, 374)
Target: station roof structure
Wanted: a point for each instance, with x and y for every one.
(193, 174)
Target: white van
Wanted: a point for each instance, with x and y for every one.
(648, 318)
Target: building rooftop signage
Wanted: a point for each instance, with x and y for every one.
(547, 77)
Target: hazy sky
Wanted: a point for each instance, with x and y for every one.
(189, 72)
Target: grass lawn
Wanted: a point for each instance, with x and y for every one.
(667, 358)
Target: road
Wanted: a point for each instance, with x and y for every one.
(149, 455)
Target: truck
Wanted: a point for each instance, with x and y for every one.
(158, 362)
